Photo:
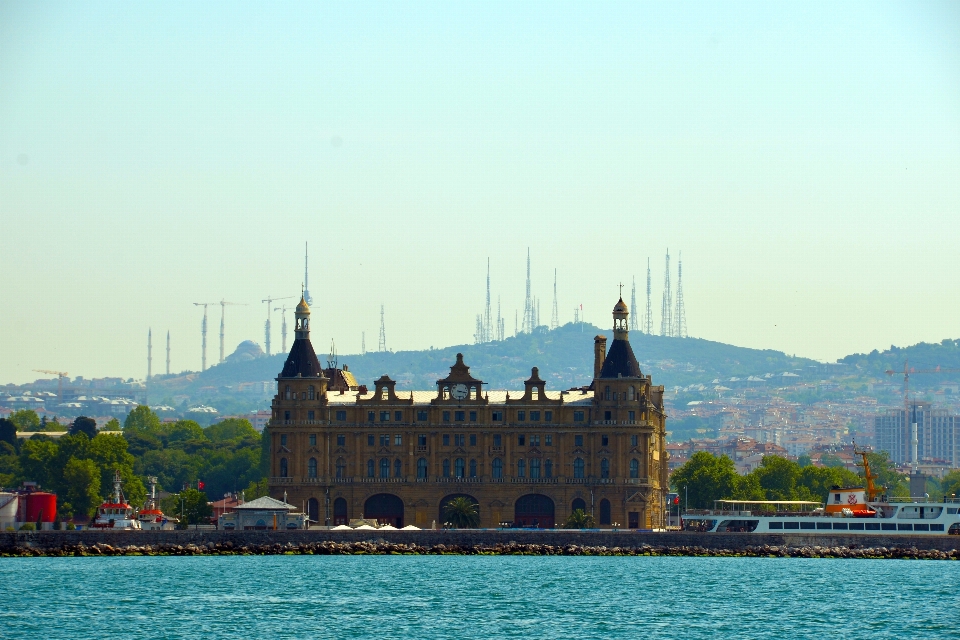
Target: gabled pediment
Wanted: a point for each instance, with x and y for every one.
(459, 451)
(497, 503)
(340, 450)
(385, 450)
(283, 449)
(533, 451)
(580, 450)
(604, 451)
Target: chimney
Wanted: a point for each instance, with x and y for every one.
(599, 354)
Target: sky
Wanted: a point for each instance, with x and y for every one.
(804, 157)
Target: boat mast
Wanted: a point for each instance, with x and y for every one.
(871, 487)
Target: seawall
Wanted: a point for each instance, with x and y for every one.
(542, 542)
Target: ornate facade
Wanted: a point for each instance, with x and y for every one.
(527, 458)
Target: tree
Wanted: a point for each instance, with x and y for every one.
(82, 478)
(579, 519)
(143, 419)
(184, 430)
(705, 478)
(830, 460)
(8, 433)
(231, 429)
(462, 513)
(887, 475)
(83, 424)
(36, 461)
(196, 508)
(112, 425)
(778, 478)
(804, 460)
(26, 420)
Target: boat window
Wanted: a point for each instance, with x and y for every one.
(808, 525)
(698, 525)
(888, 526)
(872, 526)
(951, 510)
(921, 527)
(739, 526)
(904, 527)
(856, 526)
(823, 525)
(791, 525)
(775, 525)
(936, 527)
(839, 525)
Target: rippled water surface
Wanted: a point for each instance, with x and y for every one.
(487, 597)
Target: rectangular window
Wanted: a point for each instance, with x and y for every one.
(548, 440)
(341, 440)
(371, 416)
(422, 416)
(578, 441)
(604, 441)
(446, 416)
(446, 439)
(384, 439)
(548, 416)
(808, 525)
(632, 416)
(608, 416)
(311, 415)
(578, 416)
(313, 439)
(871, 526)
(535, 416)
(398, 416)
(283, 439)
(534, 441)
(370, 440)
(856, 526)
(473, 416)
(791, 525)
(458, 439)
(823, 525)
(473, 439)
(397, 440)
(384, 416)
(839, 525)
(776, 525)
(521, 440)
(422, 440)
(497, 416)
(497, 441)
(521, 416)
(888, 526)
(286, 415)
(459, 416)
(341, 416)
(634, 441)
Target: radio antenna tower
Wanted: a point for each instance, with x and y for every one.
(528, 310)
(332, 358)
(633, 304)
(555, 319)
(487, 317)
(306, 285)
(168, 352)
(499, 322)
(648, 318)
(680, 315)
(149, 353)
(383, 333)
(666, 321)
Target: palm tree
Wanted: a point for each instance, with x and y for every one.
(579, 519)
(462, 513)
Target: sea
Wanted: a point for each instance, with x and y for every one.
(477, 597)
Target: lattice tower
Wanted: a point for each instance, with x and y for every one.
(382, 346)
(666, 319)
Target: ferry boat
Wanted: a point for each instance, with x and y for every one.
(849, 510)
(150, 517)
(117, 514)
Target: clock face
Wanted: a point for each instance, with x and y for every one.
(459, 392)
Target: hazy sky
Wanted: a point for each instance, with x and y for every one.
(804, 157)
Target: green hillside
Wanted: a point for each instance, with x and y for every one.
(925, 356)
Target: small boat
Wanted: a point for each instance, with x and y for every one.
(150, 517)
(117, 514)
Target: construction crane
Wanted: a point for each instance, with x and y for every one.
(907, 372)
(203, 334)
(223, 307)
(60, 376)
(266, 340)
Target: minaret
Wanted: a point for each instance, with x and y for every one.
(149, 353)
(283, 328)
(666, 322)
(223, 313)
(306, 275)
(168, 352)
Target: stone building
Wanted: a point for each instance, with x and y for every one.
(528, 457)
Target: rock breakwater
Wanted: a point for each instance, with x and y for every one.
(383, 547)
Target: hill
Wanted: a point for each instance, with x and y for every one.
(925, 355)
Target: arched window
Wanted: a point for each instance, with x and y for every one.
(548, 468)
(521, 468)
(578, 468)
(370, 468)
(422, 468)
(634, 468)
(446, 468)
(311, 393)
(535, 468)
(458, 467)
(604, 511)
(286, 393)
(397, 468)
(604, 468)
(631, 393)
(606, 393)
(384, 468)
(341, 468)
(473, 468)
(497, 468)
(578, 504)
(340, 511)
(312, 468)
(283, 467)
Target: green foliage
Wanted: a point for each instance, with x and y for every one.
(256, 489)
(8, 433)
(887, 476)
(705, 478)
(461, 513)
(142, 419)
(85, 425)
(112, 425)
(231, 429)
(25, 419)
(804, 460)
(183, 430)
(195, 507)
(28, 526)
(830, 460)
(82, 481)
(579, 519)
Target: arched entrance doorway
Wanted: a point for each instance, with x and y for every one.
(534, 510)
(578, 503)
(340, 512)
(313, 510)
(385, 508)
(605, 512)
(446, 499)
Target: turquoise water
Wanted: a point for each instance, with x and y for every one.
(469, 596)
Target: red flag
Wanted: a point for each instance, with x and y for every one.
(200, 485)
